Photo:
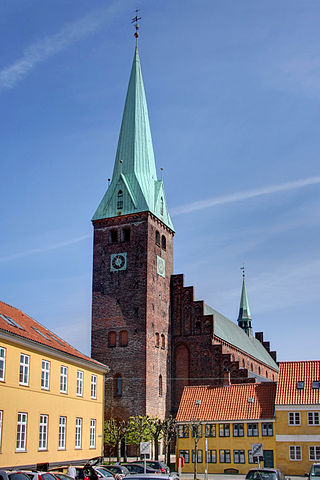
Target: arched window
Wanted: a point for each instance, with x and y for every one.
(266, 374)
(158, 238)
(161, 206)
(112, 338)
(117, 385)
(123, 338)
(120, 200)
(163, 341)
(259, 371)
(243, 363)
(163, 242)
(157, 339)
(160, 385)
(251, 367)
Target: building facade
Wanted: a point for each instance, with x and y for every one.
(51, 396)
(146, 325)
(223, 424)
(298, 416)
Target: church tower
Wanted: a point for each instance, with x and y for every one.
(132, 266)
(244, 317)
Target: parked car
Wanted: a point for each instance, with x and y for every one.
(35, 475)
(265, 474)
(12, 475)
(150, 476)
(138, 468)
(62, 476)
(119, 471)
(156, 465)
(315, 472)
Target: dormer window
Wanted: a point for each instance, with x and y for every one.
(120, 200)
(315, 384)
(300, 385)
(161, 206)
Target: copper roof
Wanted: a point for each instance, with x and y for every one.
(231, 402)
(290, 373)
(17, 323)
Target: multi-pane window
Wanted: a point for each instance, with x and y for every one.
(185, 455)
(199, 456)
(183, 431)
(224, 430)
(212, 456)
(78, 435)
(79, 383)
(314, 453)
(63, 379)
(238, 456)
(62, 433)
(93, 433)
(2, 362)
(43, 432)
(267, 429)
(238, 430)
(224, 456)
(45, 374)
(210, 430)
(93, 386)
(295, 452)
(21, 432)
(253, 430)
(313, 418)
(196, 431)
(24, 369)
(1, 415)
(294, 418)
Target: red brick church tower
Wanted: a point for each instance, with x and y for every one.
(132, 267)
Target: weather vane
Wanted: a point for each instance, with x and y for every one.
(136, 25)
(243, 271)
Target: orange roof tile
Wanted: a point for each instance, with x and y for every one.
(231, 402)
(19, 324)
(292, 372)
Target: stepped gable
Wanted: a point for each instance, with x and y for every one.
(233, 402)
(17, 323)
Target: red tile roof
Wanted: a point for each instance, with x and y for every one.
(231, 402)
(292, 372)
(19, 324)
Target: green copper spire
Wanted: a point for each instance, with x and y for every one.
(244, 318)
(134, 186)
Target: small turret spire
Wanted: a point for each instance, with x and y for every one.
(244, 317)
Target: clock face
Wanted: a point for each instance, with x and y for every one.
(161, 266)
(118, 261)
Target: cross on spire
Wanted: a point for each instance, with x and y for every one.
(136, 25)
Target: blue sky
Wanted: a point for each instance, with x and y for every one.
(233, 94)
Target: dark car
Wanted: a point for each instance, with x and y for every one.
(12, 475)
(265, 474)
(314, 472)
(156, 465)
(150, 476)
(138, 468)
(119, 471)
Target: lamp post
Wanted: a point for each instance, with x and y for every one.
(195, 425)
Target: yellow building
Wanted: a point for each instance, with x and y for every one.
(298, 416)
(230, 420)
(51, 396)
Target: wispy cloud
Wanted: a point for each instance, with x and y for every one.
(48, 46)
(34, 251)
(245, 195)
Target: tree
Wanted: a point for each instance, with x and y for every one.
(156, 426)
(139, 430)
(168, 432)
(114, 432)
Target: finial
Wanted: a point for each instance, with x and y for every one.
(136, 25)
(243, 272)
(161, 173)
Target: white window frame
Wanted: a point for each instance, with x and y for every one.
(295, 453)
(21, 440)
(2, 363)
(314, 453)
(294, 418)
(253, 429)
(43, 432)
(94, 386)
(80, 383)
(78, 433)
(63, 379)
(62, 433)
(1, 419)
(93, 424)
(313, 418)
(45, 375)
(24, 369)
(239, 456)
